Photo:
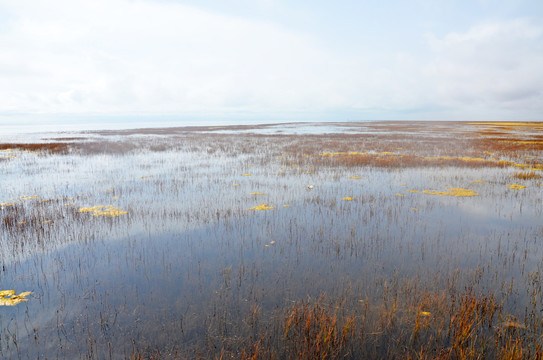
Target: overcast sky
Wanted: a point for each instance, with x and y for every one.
(272, 59)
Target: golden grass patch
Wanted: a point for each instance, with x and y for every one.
(103, 210)
(9, 298)
(262, 207)
(516, 187)
(29, 197)
(457, 192)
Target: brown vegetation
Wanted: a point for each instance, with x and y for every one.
(54, 147)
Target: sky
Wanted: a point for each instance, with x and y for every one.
(270, 60)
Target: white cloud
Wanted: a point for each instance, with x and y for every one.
(139, 56)
(493, 65)
(120, 55)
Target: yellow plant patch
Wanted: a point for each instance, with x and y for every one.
(103, 210)
(257, 194)
(6, 204)
(8, 297)
(525, 124)
(458, 192)
(525, 142)
(347, 198)
(517, 187)
(246, 174)
(262, 207)
(332, 154)
(28, 197)
(400, 195)
(355, 177)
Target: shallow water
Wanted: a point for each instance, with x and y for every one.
(181, 270)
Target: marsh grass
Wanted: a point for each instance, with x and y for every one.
(529, 175)
(51, 148)
(337, 266)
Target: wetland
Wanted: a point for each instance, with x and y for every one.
(399, 240)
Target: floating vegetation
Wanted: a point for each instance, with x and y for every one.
(400, 194)
(246, 174)
(458, 192)
(348, 198)
(262, 207)
(478, 182)
(355, 177)
(103, 210)
(516, 187)
(6, 204)
(8, 297)
(257, 193)
(29, 197)
(235, 185)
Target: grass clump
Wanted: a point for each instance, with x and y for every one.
(527, 175)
